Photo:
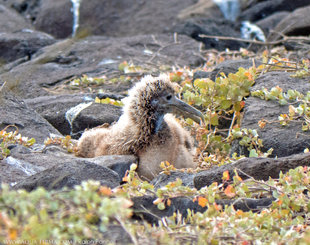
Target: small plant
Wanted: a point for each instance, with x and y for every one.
(12, 137)
(249, 138)
(65, 142)
(109, 101)
(290, 98)
(128, 68)
(86, 81)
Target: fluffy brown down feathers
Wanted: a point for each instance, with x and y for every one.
(145, 130)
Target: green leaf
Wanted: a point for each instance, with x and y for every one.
(226, 104)
(214, 119)
(31, 141)
(253, 153)
(161, 206)
(283, 102)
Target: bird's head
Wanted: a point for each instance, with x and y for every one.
(158, 96)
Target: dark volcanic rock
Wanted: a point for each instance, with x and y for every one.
(54, 108)
(144, 208)
(95, 56)
(55, 18)
(70, 174)
(27, 8)
(129, 17)
(214, 27)
(227, 66)
(29, 123)
(116, 234)
(24, 162)
(11, 21)
(265, 8)
(95, 115)
(164, 179)
(202, 8)
(118, 163)
(22, 43)
(269, 23)
(109, 18)
(285, 140)
(295, 24)
(260, 168)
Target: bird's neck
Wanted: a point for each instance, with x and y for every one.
(149, 125)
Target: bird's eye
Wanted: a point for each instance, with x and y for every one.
(169, 97)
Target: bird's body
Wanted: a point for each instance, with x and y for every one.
(145, 129)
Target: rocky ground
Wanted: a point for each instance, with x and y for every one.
(39, 59)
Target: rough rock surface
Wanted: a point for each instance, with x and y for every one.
(163, 179)
(69, 174)
(110, 18)
(263, 9)
(227, 66)
(30, 124)
(129, 17)
(285, 140)
(54, 109)
(269, 23)
(96, 56)
(118, 163)
(221, 27)
(144, 208)
(295, 24)
(11, 21)
(24, 162)
(258, 168)
(22, 43)
(27, 8)
(205, 8)
(55, 18)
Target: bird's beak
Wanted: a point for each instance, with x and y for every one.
(179, 107)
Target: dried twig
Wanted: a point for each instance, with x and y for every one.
(2, 86)
(284, 39)
(133, 238)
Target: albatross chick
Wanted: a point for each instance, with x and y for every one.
(146, 129)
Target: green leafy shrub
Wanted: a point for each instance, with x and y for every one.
(222, 101)
(79, 214)
(82, 214)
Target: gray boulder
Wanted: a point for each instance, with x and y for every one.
(22, 43)
(262, 9)
(14, 111)
(285, 140)
(163, 179)
(55, 18)
(54, 65)
(270, 22)
(110, 18)
(296, 23)
(213, 27)
(118, 163)
(11, 21)
(55, 107)
(25, 162)
(69, 174)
